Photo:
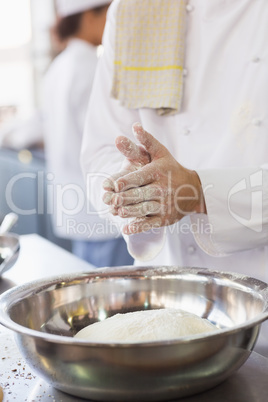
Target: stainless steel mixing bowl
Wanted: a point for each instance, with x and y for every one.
(9, 251)
(46, 314)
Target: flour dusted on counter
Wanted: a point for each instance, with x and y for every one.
(146, 325)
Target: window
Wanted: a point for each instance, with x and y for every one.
(24, 55)
(15, 23)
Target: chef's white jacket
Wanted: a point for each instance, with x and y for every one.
(221, 132)
(67, 88)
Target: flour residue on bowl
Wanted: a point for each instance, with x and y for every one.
(146, 326)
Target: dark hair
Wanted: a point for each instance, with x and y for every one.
(68, 26)
(100, 9)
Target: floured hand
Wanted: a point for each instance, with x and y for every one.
(153, 188)
(135, 158)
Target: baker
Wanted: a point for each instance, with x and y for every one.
(194, 75)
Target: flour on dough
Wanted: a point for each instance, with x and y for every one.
(146, 325)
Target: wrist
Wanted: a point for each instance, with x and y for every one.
(201, 203)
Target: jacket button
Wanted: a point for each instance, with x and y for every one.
(191, 250)
(256, 122)
(189, 8)
(186, 131)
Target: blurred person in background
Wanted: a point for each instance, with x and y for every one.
(67, 89)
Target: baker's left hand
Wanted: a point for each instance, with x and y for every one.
(158, 194)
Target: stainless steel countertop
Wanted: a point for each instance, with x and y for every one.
(38, 259)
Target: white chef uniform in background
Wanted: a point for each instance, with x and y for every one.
(67, 89)
(221, 132)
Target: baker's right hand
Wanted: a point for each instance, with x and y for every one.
(135, 158)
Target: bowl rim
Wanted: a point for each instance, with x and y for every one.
(14, 295)
(10, 261)
(12, 236)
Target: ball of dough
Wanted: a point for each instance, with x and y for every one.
(146, 325)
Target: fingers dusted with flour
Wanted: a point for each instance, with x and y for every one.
(156, 190)
(150, 143)
(148, 174)
(135, 154)
(135, 157)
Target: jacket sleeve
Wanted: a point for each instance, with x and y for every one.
(237, 210)
(106, 119)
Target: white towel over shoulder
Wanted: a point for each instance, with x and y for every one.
(149, 54)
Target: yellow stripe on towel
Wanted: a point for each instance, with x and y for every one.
(129, 68)
(149, 54)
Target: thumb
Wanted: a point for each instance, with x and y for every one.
(150, 143)
(134, 153)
